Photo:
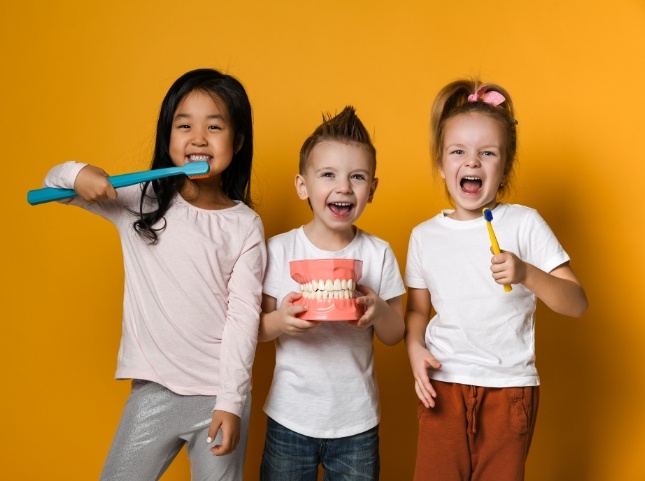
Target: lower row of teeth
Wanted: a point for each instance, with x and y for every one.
(336, 289)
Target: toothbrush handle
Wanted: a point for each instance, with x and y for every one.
(496, 249)
(48, 194)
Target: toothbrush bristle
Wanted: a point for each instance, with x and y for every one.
(488, 215)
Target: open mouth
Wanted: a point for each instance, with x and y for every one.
(341, 209)
(198, 158)
(470, 185)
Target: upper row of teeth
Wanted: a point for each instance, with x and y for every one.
(198, 157)
(336, 289)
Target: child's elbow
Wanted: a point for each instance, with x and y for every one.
(580, 307)
(583, 309)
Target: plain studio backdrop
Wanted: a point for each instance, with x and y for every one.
(84, 81)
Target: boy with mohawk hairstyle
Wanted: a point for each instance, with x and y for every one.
(323, 405)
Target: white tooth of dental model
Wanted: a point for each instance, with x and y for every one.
(337, 285)
(329, 285)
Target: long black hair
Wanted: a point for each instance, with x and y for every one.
(236, 178)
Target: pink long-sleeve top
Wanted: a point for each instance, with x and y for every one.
(192, 301)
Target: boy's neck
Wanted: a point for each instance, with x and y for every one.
(327, 239)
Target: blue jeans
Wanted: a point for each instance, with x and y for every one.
(289, 456)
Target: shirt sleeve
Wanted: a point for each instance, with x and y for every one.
(62, 176)
(392, 283)
(543, 249)
(413, 267)
(274, 270)
(240, 335)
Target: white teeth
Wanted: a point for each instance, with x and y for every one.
(329, 289)
(198, 158)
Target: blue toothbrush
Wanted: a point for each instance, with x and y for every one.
(191, 169)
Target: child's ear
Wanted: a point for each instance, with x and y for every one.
(373, 189)
(301, 187)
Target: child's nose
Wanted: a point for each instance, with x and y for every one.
(199, 139)
(344, 186)
(473, 161)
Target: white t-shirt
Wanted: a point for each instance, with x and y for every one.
(191, 305)
(324, 384)
(482, 335)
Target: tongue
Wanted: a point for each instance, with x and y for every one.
(339, 210)
(471, 186)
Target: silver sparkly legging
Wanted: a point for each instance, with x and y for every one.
(156, 423)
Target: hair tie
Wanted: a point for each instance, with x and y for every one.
(491, 98)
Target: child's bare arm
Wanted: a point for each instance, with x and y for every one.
(417, 316)
(559, 289)
(385, 316)
(92, 184)
(275, 322)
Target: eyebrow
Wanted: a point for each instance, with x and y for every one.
(187, 116)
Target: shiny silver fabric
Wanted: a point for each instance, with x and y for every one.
(154, 426)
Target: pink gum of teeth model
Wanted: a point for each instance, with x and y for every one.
(328, 288)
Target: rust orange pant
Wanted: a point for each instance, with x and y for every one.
(476, 433)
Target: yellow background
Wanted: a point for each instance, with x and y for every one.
(84, 80)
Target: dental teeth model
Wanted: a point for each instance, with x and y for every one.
(328, 287)
(336, 289)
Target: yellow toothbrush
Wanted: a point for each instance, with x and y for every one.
(488, 215)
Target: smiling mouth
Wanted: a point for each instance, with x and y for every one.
(341, 209)
(470, 185)
(198, 158)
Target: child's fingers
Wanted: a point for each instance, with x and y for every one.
(432, 361)
(425, 392)
(225, 448)
(292, 297)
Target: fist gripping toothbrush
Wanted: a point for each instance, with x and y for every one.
(191, 169)
(488, 215)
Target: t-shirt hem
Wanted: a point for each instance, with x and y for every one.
(182, 390)
(327, 434)
(490, 382)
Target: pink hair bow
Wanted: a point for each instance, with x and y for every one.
(492, 97)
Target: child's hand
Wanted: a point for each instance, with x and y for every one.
(92, 184)
(507, 268)
(229, 424)
(421, 360)
(375, 308)
(286, 318)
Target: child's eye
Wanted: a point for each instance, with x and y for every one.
(327, 174)
(214, 127)
(488, 153)
(358, 177)
(457, 152)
